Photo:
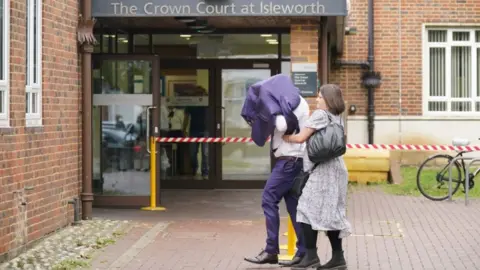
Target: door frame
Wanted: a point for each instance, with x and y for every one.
(215, 67)
(246, 64)
(133, 200)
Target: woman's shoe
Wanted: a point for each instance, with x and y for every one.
(336, 263)
(309, 260)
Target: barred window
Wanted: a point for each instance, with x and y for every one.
(452, 71)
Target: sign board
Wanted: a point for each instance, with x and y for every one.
(205, 8)
(304, 76)
(185, 101)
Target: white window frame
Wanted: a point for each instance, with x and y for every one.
(5, 82)
(450, 28)
(34, 119)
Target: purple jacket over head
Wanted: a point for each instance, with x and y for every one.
(267, 99)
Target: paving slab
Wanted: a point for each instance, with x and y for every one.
(216, 229)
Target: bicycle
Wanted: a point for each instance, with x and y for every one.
(440, 179)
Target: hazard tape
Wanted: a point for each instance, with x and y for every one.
(404, 147)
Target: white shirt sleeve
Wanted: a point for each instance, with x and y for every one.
(281, 123)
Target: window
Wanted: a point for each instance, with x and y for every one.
(4, 63)
(452, 71)
(33, 89)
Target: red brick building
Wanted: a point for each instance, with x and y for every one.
(75, 118)
(40, 119)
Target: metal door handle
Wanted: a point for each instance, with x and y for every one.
(224, 124)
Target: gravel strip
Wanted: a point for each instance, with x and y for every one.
(71, 247)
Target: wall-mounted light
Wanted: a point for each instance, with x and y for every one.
(266, 35)
(352, 109)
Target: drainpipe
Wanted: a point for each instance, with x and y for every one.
(85, 35)
(370, 79)
(370, 59)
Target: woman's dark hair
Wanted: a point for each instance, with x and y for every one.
(333, 97)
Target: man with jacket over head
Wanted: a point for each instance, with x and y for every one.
(274, 107)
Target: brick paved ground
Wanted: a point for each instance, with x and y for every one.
(216, 229)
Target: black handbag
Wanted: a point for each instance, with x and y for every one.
(327, 143)
(300, 181)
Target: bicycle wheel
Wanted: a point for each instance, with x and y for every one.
(432, 177)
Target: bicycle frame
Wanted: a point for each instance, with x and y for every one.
(460, 154)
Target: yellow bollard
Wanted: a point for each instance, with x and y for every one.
(291, 240)
(153, 179)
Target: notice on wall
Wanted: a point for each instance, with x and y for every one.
(304, 76)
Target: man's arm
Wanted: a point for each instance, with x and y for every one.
(300, 137)
(281, 123)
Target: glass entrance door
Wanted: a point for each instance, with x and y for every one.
(124, 114)
(243, 165)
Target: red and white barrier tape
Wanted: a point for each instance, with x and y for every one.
(407, 147)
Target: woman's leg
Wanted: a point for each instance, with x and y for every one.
(338, 260)
(335, 241)
(310, 236)
(311, 257)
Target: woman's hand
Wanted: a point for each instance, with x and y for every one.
(300, 137)
(287, 138)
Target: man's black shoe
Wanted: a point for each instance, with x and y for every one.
(263, 258)
(294, 261)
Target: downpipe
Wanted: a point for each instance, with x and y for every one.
(370, 79)
(371, 68)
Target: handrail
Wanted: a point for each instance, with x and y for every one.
(467, 175)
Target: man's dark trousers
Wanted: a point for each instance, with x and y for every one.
(277, 187)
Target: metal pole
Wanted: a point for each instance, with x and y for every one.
(153, 178)
(467, 178)
(291, 240)
(450, 175)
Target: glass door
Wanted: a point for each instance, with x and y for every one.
(187, 110)
(242, 165)
(124, 116)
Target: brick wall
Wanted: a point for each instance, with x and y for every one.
(398, 49)
(46, 158)
(304, 45)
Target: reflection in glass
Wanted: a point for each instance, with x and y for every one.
(185, 104)
(285, 46)
(241, 161)
(96, 46)
(223, 46)
(122, 77)
(121, 163)
(141, 43)
(122, 43)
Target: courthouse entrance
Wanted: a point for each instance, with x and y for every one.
(128, 89)
(186, 76)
